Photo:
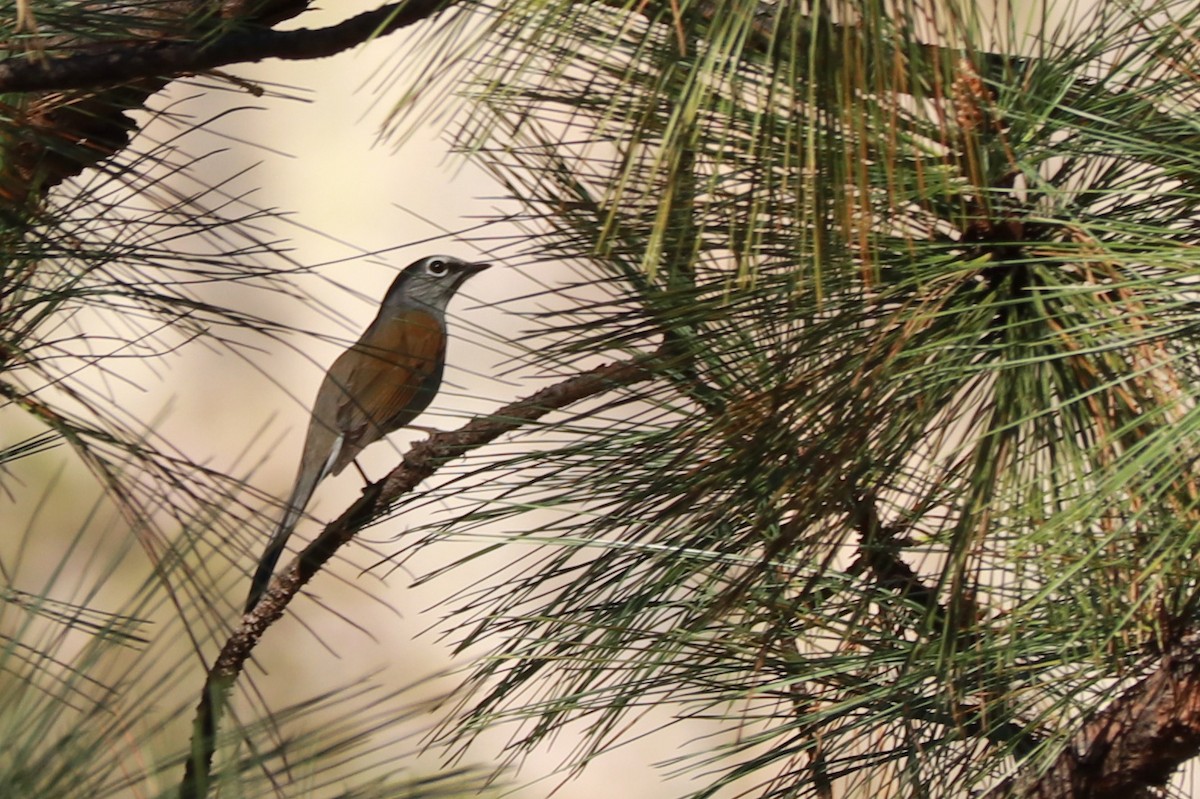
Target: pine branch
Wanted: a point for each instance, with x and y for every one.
(124, 63)
(1134, 745)
(68, 113)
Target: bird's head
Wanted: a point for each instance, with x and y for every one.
(431, 281)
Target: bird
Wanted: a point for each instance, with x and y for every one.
(380, 384)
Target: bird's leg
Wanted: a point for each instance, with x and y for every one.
(362, 474)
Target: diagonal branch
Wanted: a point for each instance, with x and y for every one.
(419, 463)
(114, 65)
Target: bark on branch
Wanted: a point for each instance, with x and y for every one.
(1134, 745)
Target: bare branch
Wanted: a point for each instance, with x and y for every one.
(419, 463)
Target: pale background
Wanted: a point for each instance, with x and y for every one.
(321, 161)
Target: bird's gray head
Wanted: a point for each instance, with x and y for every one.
(431, 281)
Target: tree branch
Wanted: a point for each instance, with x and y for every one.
(421, 461)
(1131, 746)
(115, 65)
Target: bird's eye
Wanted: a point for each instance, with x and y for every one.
(437, 267)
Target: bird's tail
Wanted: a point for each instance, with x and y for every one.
(305, 485)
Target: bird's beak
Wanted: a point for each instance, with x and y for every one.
(474, 269)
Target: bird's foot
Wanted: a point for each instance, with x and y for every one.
(429, 431)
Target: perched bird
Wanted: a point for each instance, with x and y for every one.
(377, 386)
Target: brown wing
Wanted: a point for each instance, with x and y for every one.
(385, 380)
